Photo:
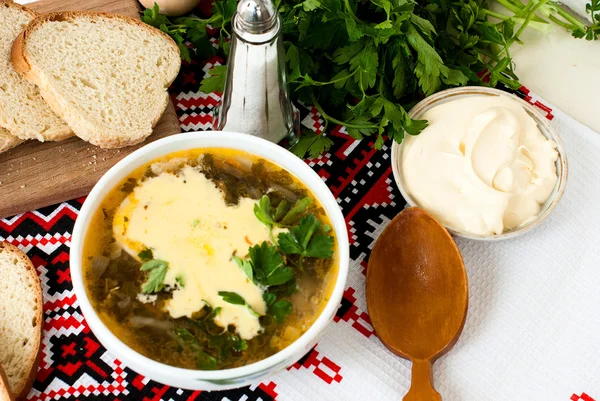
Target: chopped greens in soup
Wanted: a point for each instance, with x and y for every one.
(210, 259)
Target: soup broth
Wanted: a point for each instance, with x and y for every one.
(209, 259)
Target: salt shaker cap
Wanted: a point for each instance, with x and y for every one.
(255, 16)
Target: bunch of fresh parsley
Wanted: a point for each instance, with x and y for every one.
(365, 63)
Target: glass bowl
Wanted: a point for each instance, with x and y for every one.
(545, 128)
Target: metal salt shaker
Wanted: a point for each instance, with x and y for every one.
(255, 100)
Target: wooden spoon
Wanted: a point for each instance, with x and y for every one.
(417, 294)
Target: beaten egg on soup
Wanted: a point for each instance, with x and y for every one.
(209, 259)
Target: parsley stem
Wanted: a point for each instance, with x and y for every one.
(560, 22)
(320, 83)
(351, 12)
(567, 16)
(530, 15)
(326, 117)
(543, 26)
(496, 15)
(517, 8)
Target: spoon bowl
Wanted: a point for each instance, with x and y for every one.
(417, 294)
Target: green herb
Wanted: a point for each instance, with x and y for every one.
(146, 254)
(277, 309)
(192, 29)
(239, 344)
(186, 336)
(268, 265)
(280, 310)
(262, 211)
(245, 266)
(306, 240)
(299, 208)
(237, 299)
(269, 298)
(195, 223)
(591, 32)
(280, 216)
(232, 298)
(180, 280)
(203, 360)
(129, 186)
(155, 280)
(363, 64)
(312, 144)
(281, 210)
(215, 82)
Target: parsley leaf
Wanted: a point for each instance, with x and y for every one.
(262, 211)
(304, 240)
(156, 277)
(268, 265)
(216, 81)
(232, 298)
(180, 280)
(281, 210)
(280, 310)
(240, 344)
(146, 254)
(312, 143)
(299, 208)
(269, 298)
(237, 299)
(280, 217)
(203, 360)
(245, 266)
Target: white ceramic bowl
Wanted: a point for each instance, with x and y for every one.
(542, 123)
(217, 379)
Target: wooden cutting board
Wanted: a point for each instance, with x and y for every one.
(37, 174)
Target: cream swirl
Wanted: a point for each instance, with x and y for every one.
(481, 166)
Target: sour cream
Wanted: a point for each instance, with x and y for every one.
(482, 166)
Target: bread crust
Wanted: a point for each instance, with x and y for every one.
(10, 3)
(56, 133)
(82, 128)
(5, 391)
(33, 362)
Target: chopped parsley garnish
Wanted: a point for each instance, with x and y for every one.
(306, 240)
(232, 298)
(281, 216)
(269, 298)
(268, 265)
(245, 266)
(155, 280)
(237, 299)
(280, 310)
(299, 208)
(203, 360)
(180, 280)
(146, 254)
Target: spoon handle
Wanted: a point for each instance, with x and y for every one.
(421, 388)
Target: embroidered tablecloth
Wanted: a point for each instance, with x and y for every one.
(349, 363)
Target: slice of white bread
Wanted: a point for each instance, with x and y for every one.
(5, 391)
(7, 140)
(106, 75)
(22, 110)
(21, 319)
